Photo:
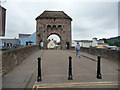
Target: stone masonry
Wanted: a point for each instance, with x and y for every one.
(54, 22)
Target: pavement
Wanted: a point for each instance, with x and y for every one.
(20, 76)
(111, 63)
(55, 71)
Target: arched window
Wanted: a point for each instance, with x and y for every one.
(59, 26)
(54, 26)
(48, 26)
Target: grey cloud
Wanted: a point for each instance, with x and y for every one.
(89, 19)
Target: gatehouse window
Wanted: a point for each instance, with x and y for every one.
(59, 26)
(54, 26)
(48, 26)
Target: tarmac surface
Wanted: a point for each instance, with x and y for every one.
(55, 71)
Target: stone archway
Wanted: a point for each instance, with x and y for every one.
(56, 22)
(58, 42)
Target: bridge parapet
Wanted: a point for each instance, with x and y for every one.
(12, 58)
(106, 53)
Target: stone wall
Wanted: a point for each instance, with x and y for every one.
(43, 32)
(12, 58)
(108, 54)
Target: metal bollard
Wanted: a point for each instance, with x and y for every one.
(39, 70)
(70, 69)
(99, 76)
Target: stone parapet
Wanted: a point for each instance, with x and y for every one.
(12, 58)
(105, 53)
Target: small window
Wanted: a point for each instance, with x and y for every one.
(54, 26)
(59, 26)
(48, 26)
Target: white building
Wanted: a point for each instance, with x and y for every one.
(83, 43)
(89, 43)
(51, 44)
(94, 42)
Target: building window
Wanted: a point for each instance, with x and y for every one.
(48, 26)
(54, 26)
(59, 26)
(4, 44)
(7, 44)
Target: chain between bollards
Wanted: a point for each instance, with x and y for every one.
(39, 70)
(70, 69)
(99, 76)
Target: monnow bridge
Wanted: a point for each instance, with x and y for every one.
(31, 67)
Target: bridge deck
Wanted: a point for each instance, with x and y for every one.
(55, 71)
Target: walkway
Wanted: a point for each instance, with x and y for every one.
(55, 71)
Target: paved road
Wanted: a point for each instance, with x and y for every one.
(55, 71)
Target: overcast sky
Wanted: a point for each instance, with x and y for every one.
(90, 19)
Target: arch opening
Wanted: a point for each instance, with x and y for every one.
(48, 26)
(54, 26)
(59, 26)
(53, 41)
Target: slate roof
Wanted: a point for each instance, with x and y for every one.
(54, 15)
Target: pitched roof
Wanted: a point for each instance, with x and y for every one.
(2, 7)
(53, 15)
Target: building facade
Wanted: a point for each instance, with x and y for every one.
(51, 44)
(27, 39)
(54, 22)
(83, 43)
(2, 20)
(9, 43)
(89, 43)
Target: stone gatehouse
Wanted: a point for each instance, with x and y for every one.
(54, 22)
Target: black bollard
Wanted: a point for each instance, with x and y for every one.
(70, 69)
(39, 70)
(99, 76)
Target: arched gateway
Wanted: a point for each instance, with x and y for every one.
(54, 22)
